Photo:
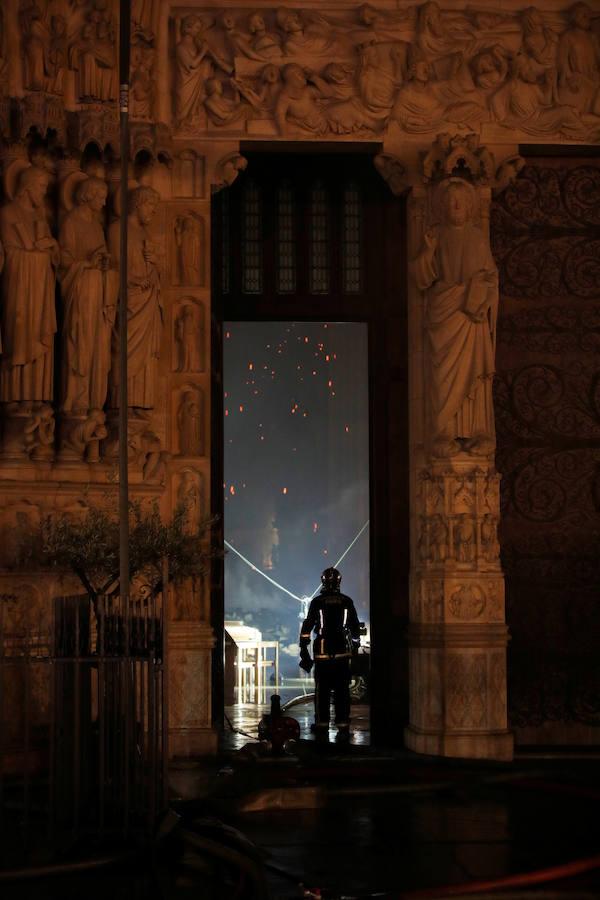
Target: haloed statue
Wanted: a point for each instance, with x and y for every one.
(332, 616)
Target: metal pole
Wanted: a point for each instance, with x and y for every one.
(124, 53)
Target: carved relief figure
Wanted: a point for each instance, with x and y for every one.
(297, 103)
(28, 286)
(464, 539)
(36, 47)
(189, 339)
(145, 321)
(84, 438)
(88, 307)
(93, 56)
(526, 102)
(229, 111)
(438, 539)
(188, 240)
(38, 433)
(264, 44)
(309, 40)
(195, 63)
(190, 424)
(142, 82)
(578, 62)
(381, 70)
(489, 538)
(539, 41)
(457, 271)
(189, 497)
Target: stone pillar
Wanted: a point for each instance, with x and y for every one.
(457, 633)
(190, 715)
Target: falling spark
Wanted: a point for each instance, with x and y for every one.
(284, 490)
(231, 490)
(346, 428)
(241, 408)
(250, 366)
(315, 527)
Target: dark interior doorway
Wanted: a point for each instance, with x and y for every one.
(318, 237)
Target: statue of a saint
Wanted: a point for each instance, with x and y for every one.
(189, 339)
(191, 424)
(145, 320)
(456, 270)
(189, 250)
(88, 318)
(28, 285)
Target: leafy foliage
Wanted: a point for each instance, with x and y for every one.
(89, 547)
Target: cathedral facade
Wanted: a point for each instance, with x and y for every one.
(483, 122)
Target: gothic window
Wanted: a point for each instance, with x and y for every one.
(319, 251)
(286, 239)
(252, 257)
(351, 239)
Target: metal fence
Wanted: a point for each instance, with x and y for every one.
(83, 724)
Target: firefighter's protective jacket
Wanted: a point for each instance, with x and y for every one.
(333, 618)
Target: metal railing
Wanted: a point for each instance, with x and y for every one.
(83, 724)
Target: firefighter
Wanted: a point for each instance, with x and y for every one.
(332, 616)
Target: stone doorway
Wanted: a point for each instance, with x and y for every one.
(319, 237)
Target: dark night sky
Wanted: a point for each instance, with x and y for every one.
(296, 468)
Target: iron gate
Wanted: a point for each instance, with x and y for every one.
(83, 724)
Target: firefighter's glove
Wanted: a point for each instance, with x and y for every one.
(306, 662)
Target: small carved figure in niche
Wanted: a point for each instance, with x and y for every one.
(28, 289)
(311, 40)
(228, 112)
(188, 239)
(145, 312)
(526, 103)
(468, 602)
(264, 44)
(578, 61)
(88, 304)
(142, 82)
(189, 497)
(189, 339)
(464, 539)
(36, 47)
(297, 103)
(93, 56)
(539, 41)
(489, 538)
(38, 432)
(152, 458)
(190, 424)
(58, 55)
(456, 269)
(84, 437)
(381, 69)
(438, 539)
(195, 63)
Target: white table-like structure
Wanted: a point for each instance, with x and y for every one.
(252, 661)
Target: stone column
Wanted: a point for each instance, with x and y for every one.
(190, 714)
(457, 633)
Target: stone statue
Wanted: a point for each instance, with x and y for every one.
(38, 432)
(304, 40)
(188, 240)
(539, 41)
(263, 44)
(88, 303)
(526, 103)
(297, 103)
(456, 270)
(424, 104)
(36, 48)
(145, 319)
(195, 63)
(28, 287)
(464, 539)
(93, 56)
(578, 61)
(190, 421)
(152, 458)
(232, 111)
(189, 339)
(489, 538)
(85, 436)
(189, 497)
(438, 539)
(143, 88)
